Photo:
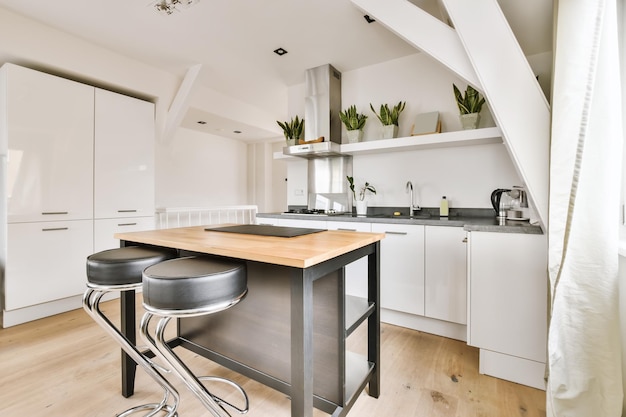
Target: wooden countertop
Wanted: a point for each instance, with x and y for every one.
(300, 252)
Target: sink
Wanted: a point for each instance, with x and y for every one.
(392, 216)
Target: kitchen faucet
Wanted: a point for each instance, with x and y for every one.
(412, 208)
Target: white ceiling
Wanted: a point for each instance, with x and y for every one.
(234, 40)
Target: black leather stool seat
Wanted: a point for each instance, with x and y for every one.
(123, 266)
(193, 283)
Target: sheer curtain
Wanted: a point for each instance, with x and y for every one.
(584, 348)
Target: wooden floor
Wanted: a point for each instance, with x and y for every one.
(68, 366)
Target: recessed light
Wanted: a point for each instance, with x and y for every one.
(201, 122)
(280, 51)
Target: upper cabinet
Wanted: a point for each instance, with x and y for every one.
(47, 124)
(124, 156)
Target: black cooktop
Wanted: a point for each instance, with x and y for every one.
(265, 230)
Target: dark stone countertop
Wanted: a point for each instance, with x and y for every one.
(478, 220)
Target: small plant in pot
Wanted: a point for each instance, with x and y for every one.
(470, 104)
(292, 130)
(354, 123)
(389, 118)
(361, 204)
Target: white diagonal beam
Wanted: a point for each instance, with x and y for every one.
(424, 32)
(515, 98)
(180, 104)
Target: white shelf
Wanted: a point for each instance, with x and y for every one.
(469, 137)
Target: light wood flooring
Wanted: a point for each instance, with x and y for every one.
(68, 366)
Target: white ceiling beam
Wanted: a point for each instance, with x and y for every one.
(515, 98)
(180, 104)
(424, 32)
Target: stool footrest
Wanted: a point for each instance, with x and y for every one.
(221, 401)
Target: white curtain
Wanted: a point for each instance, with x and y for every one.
(584, 351)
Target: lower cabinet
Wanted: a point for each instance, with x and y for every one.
(46, 261)
(508, 284)
(356, 272)
(445, 274)
(402, 267)
(104, 229)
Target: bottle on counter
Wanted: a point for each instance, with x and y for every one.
(443, 208)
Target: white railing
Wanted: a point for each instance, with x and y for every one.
(203, 216)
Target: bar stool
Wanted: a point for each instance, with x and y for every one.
(120, 270)
(188, 287)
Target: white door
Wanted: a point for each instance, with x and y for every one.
(49, 123)
(402, 267)
(124, 156)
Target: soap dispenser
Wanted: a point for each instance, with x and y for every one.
(443, 208)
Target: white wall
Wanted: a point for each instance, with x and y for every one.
(194, 169)
(466, 175)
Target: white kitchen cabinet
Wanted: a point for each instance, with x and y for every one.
(46, 261)
(446, 274)
(508, 304)
(355, 272)
(49, 131)
(268, 221)
(402, 267)
(51, 191)
(105, 229)
(313, 224)
(124, 156)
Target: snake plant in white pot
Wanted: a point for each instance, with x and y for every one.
(470, 104)
(389, 118)
(292, 130)
(361, 203)
(354, 123)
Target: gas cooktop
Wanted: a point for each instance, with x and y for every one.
(314, 212)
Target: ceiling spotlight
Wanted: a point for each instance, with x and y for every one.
(280, 51)
(167, 7)
(368, 19)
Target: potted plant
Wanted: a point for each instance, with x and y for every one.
(354, 123)
(292, 130)
(361, 204)
(470, 105)
(389, 118)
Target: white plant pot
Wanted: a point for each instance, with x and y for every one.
(354, 136)
(389, 132)
(470, 121)
(291, 142)
(361, 208)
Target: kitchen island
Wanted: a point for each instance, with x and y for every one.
(290, 331)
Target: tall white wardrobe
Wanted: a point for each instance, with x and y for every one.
(78, 167)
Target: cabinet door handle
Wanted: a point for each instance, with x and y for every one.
(127, 211)
(464, 240)
(347, 230)
(127, 224)
(48, 213)
(52, 229)
(396, 233)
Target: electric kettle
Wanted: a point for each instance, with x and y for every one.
(496, 196)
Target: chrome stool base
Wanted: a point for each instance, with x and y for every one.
(213, 403)
(91, 304)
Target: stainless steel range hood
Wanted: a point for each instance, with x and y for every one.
(322, 104)
(313, 150)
